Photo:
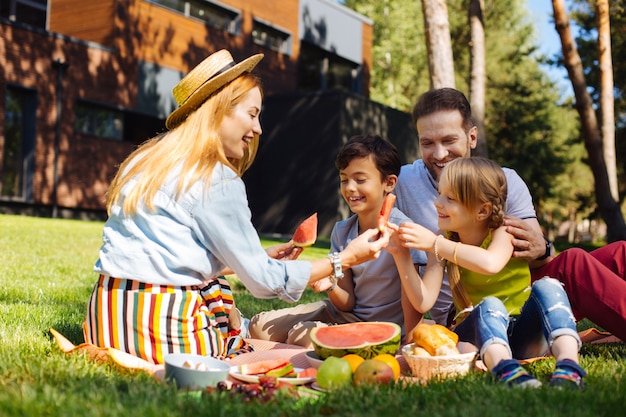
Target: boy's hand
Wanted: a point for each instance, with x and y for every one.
(321, 285)
(395, 244)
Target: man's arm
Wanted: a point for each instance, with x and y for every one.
(528, 240)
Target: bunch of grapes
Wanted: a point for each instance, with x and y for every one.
(263, 391)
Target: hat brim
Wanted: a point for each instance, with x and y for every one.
(205, 90)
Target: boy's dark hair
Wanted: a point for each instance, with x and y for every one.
(444, 99)
(383, 152)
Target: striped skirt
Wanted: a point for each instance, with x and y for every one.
(150, 321)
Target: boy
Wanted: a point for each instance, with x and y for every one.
(368, 169)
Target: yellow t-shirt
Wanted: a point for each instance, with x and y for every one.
(511, 285)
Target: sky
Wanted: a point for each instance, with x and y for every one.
(541, 11)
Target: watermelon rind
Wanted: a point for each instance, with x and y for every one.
(366, 350)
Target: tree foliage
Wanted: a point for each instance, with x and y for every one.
(529, 126)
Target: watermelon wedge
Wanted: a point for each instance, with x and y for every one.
(261, 367)
(306, 233)
(385, 211)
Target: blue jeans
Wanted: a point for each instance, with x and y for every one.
(545, 316)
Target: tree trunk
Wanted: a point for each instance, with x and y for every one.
(608, 207)
(607, 110)
(438, 44)
(477, 69)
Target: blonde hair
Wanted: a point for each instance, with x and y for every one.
(195, 144)
(474, 181)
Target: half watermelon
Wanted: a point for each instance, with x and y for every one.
(366, 339)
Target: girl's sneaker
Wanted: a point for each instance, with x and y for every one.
(511, 372)
(567, 374)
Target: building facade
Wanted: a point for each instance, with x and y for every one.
(82, 83)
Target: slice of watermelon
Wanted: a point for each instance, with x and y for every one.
(309, 372)
(261, 367)
(385, 211)
(306, 233)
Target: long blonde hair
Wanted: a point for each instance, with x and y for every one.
(195, 144)
(473, 181)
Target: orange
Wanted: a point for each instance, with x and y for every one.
(391, 361)
(354, 359)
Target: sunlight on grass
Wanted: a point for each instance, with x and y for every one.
(46, 278)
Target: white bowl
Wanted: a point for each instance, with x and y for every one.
(313, 359)
(205, 371)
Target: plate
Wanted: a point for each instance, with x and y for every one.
(313, 359)
(234, 372)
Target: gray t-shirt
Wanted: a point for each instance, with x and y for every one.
(416, 192)
(377, 284)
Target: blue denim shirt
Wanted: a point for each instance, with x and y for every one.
(191, 239)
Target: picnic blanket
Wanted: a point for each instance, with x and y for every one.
(263, 350)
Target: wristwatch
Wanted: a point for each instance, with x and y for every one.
(335, 261)
(548, 250)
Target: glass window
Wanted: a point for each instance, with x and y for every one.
(213, 14)
(19, 143)
(98, 120)
(322, 70)
(31, 12)
(271, 37)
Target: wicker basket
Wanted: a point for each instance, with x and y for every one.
(429, 367)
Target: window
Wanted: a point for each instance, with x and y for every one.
(19, 143)
(31, 12)
(322, 70)
(270, 37)
(217, 16)
(98, 120)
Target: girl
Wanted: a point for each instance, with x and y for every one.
(499, 310)
(179, 219)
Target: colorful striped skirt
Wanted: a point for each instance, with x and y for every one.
(150, 321)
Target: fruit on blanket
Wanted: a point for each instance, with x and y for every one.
(309, 372)
(438, 340)
(306, 233)
(261, 367)
(334, 373)
(354, 359)
(281, 371)
(391, 361)
(385, 211)
(373, 371)
(366, 339)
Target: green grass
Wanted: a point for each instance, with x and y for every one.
(45, 280)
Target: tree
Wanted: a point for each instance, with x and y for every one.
(438, 44)
(606, 94)
(478, 75)
(609, 208)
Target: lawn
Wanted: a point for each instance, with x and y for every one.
(46, 277)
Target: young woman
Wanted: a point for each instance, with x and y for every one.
(499, 311)
(179, 219)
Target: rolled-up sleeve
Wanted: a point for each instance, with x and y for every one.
(223, 224)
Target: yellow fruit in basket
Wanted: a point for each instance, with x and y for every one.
(436, 339)
(420, 351)
(391, 361)
(354, 359)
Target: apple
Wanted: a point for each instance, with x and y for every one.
(373, 371)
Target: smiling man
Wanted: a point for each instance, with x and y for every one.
(595, 282)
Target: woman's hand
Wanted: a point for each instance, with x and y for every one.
(415, 236)
(284, 251)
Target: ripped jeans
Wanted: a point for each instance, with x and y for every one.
(545, 316)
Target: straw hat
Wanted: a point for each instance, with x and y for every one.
(217, 70)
